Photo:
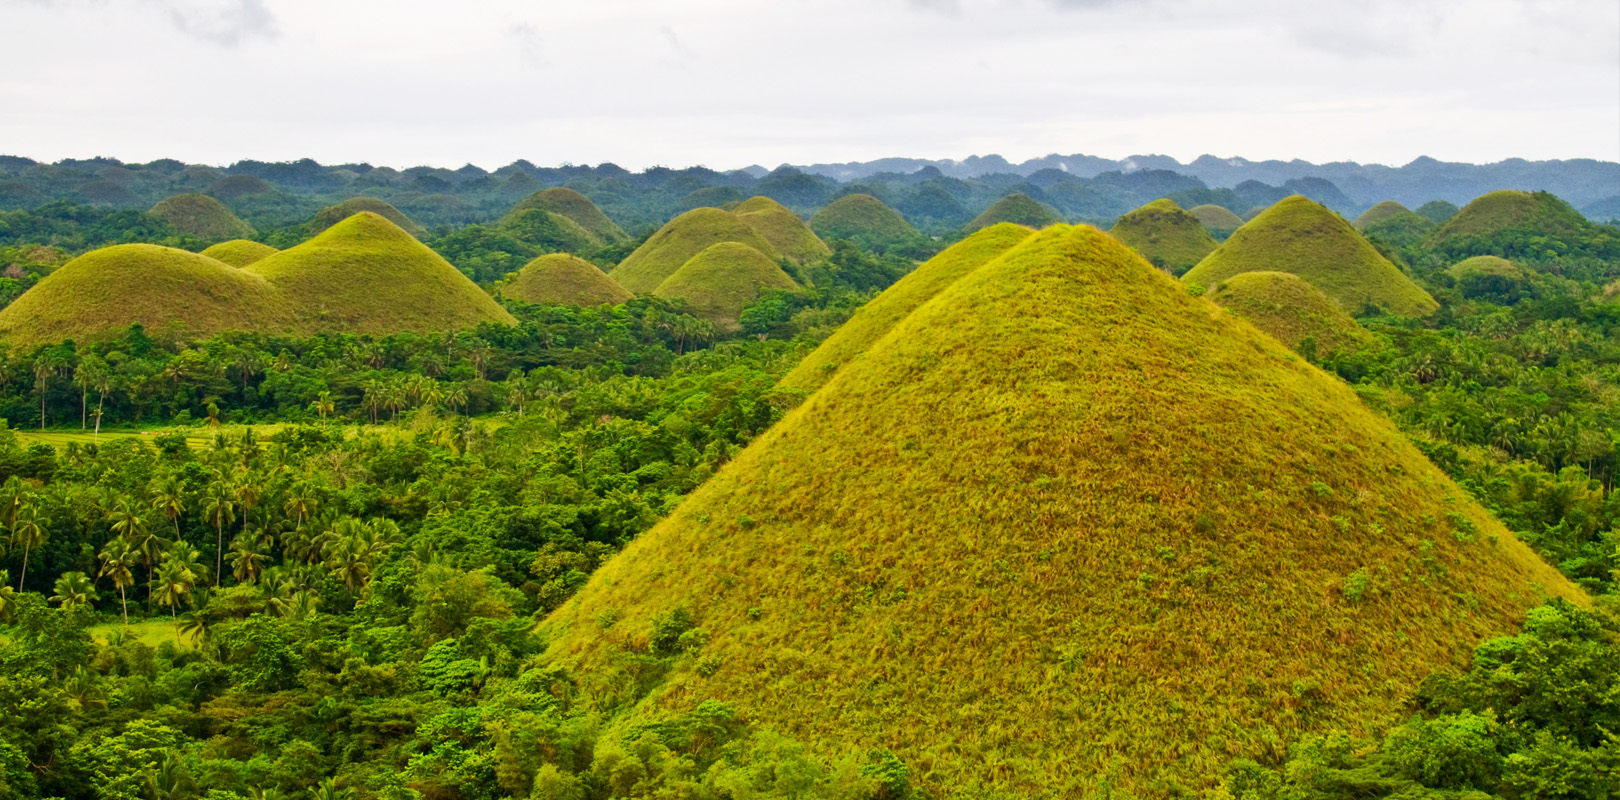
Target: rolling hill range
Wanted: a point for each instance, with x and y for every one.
(565, 279)
(678, 241)
(1168, 237)
(1062, 501)
(717, 283)
(1291, 311)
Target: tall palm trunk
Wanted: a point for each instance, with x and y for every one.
(125, 602)
(219, 548)
(24, 574)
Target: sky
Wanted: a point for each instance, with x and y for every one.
(730, 83)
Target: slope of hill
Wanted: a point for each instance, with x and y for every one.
(332, 215)
(1291, 311)
(1381, 211)
(1521, 225)
(783, 229)
(863, 219)
(367, 275)
(1168, 237)
(201, 216)
(1018, 209)
(1062, 503)
(239, 252)
(565, 279)
(1300, 236)
(1218, 219)
(717, 283)
(678, 241)
(579, 209)
(168, 291)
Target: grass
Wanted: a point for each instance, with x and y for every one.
(1300, 236)
(1168, 237)
(60, 439)
(1480, 266)
(239, 252)
(562, 278)
(1217, 219)
(1291, 311)
(1018, 209)
(201, 216)
(333, 214)
(678, 241)
(1540, 214)
(1400, 229)
(862, 218)
(1063, 501)
(717, 283)
(579, 209)
(783, 229)
(1438, 211)
(153, 632)
(1379, 212)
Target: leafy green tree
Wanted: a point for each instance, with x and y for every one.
(118, 560)
(74, 590)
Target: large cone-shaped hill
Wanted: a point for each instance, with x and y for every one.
(1301, 236)
(1381, 211)
(239, 252)
(366, 275)
(576, 208)
(564, 279)
(333, 214)
(1218, 219)
(1168, 237)
(1481, 227)
(1019, 209)
(717, 283)
(1064, 519)
(201, 216)
(103, 292)
(783, 229)
(1291, 311)
(864, 219)
(678, 241)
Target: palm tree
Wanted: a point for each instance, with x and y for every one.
(86, 376)
(219, 507)
(330, 790)
(73, 590)
(173, 585)
(27, 532)
(323, 405)
(118, 557)
(8, 596)
(302, 501)
(248, 489)
(43, 369)
(169, 779)
(169, 498)
(248, 558)
(125, 519)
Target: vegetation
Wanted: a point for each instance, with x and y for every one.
(866, 221)
(239, 252)
(333, 214)
(718, 283)
(575, 207)
(1437, 211)
(1380, 212)
(1488, 277)
(676, 243)
(201, 216)
(562, 279)
(783, 229)
(1168, 237)
(1293, 312)
(1522, 225)
(1018, 209)
(1220, 221)
(1400, 230)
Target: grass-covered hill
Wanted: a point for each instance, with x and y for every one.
(201, 216)
(1401, 228)
(783, 229)
(1019, 209)
(564, 279)
(1379, 212)
(575, 207)
(239, 252)
(1164, 234)
(1292, 311)
(367, 275)
(333, 214)
(1301, 236)
(168, 291)
(1061, 504)
(678, 241)
(1515, 224)
(1490, 277)
(717, 283)
(865, 220)
(1218, 219)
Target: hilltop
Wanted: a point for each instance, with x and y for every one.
(576, 208)
(201, 216)
(1291, 311)
(1218, 219)
(1300, 236)
(1488, 277)
(239, 252)
(783, 229)
(1063, 501)
(678, 241)
(332, 215)
(1400, 228)
(717, 283)
(1521, 225)
(1018, 209)
(564, 279)
(865, 220)
(1381, 211)
(1168, 237)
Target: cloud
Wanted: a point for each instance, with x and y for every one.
(227, 23)
(682, 52)
(528, 40)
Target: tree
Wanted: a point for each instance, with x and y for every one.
(323, 405)
(248, 558)
(169, 499)
(27, 533)
(8, 596)
(302, 501)
(74, 590)
(175, 579)
(219, 507)
(118, 559)
(89, 374)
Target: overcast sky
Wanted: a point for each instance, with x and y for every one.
(728, 83)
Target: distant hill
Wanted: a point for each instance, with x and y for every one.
(1400, 228)
(1018, 209)
(1217, 219)
(719, 282)
(332, 215)
(1488, 277)
(201, 216)
(1380, 212)
(783, 229)
(863, 219)
(678, 241)
(1522, 225)
(560, 278)
(1291, 311)
(239, 252)
(578, 208)
(1164, 234)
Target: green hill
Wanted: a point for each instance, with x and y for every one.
(1401, 228)
(1062, 504)
(678, 241)
(1291, 311)
(201, 216)
(168, 291)
(1381, 211)
(1168, 237)
(717, 283)
(239, 252)
(1301, 236)
(1528, 225)
(863, 219)
(366, 275)
(1437, 211)
(578, 208)
(1488, 277)
(564, 279)
(783, 229)
(236, 187)
(332, 215)
(1018, 209)
(1218, 219)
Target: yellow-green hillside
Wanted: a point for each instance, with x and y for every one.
(678, 241)
(201, 216)
(103, 292)
(862, 218)
(783, 229)
(1301, 236)
(563, 278)
(1168, 237)
(1479, 226)
(1018, 209)
(1063, 504)
(1291, 311)
(1218, 219)
(578, 208)
(366, 275)
(878, 317)
(717, 283)
(1382, 211)
(1488, 277)
(1486, 265)
(239, 252)
(332, 215)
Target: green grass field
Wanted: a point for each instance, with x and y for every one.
(150, 632)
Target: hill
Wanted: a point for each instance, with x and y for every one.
(1381, 211)
(865, 220)
(1488, 277)
(201, 216)
(678, 241)
(239, 252)
(783, 229)
(332, 215)
(1218, 219)
(1400, 229)
(1168, 237)
(168, 291)
(1063, 503)
(1300, 236)
(1521, 225)
(717, 283)
(564, 279)
(578, 208)
(366, 275)
(1291, 311)
(1018, 209)
(1437, 211)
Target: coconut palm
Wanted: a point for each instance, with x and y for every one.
(248, 558)
(169, 499)
(173, 584)
(74, 590)
(118, 559)
(323, 405)
(301, 502)
(8, 596)
(219, 507)
(27, 533)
